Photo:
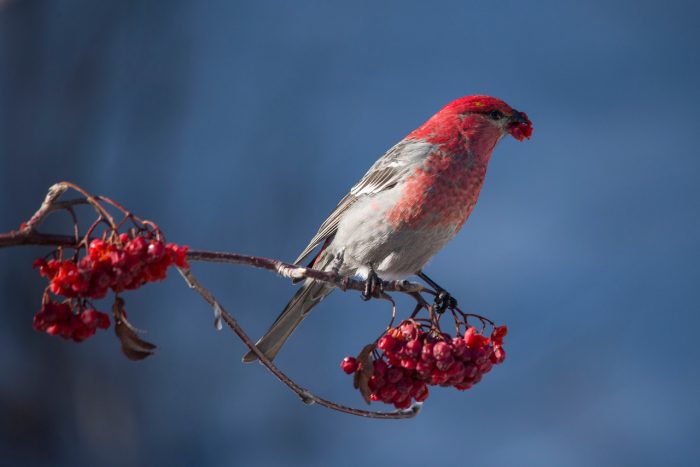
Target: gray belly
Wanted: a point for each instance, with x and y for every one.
(366, 238)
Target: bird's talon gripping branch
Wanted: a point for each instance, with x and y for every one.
(443, 302)
(374, 285)
(443, 299)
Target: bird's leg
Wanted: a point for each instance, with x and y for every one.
(372, 284)
(443, 300)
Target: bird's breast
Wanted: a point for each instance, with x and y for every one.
(441, 192)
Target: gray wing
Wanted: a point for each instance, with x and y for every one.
(384, 174)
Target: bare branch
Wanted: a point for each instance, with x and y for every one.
(32, 237)
(304, 394)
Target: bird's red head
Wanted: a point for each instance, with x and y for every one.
(516, 123)
(474, 122)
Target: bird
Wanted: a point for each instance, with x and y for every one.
(411, 202)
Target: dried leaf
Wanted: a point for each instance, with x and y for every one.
(365, 371)
(133, 346)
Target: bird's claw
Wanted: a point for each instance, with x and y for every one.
(372, 284)
(444, 301)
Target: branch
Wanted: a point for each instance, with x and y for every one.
(28, 235)
(120, 252)
(31, 237)
(298, 272)
(304, 394)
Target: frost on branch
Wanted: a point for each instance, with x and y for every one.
(123, 252)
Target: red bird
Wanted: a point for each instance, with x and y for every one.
(409, 204)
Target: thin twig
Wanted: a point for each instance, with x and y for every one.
(304, 394)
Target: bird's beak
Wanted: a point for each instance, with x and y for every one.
(518, 117)
(520, 127)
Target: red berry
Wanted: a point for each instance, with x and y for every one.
(349, 365)
(155, 251)
(480, 355)
(459, 348)
(376, 382)
(386, 343)
(408, 363)
(402, 401)
(393, 375)
(485, 367)
(90, 318)
(178, 254)
(96, 248)
(387, 393)
(475, 340)
(499, 354)
(380, 368)
(414, 348)
(470, 370)
(438, 377)
(427, 352)
(404, 386)
(408, 330)
(82, 333)
(136, 247)
(394, 360)
(442, 351)
(419, 392)
(423, 369)
(456, 371)
(499, 332)
(445, 364)
(463, 386)
(104, 321)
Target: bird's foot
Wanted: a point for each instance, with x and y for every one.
(443, 302)
(443, 299)
(373, 284)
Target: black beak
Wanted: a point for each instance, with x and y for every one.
(518, 117)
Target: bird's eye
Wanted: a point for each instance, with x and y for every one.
(496, 114)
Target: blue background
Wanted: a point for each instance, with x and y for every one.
(238, 127)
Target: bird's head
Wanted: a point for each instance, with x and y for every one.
(476, 121)
(491, 111)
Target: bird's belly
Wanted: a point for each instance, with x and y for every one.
(367, 238)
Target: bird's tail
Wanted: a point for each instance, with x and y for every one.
(307, 297)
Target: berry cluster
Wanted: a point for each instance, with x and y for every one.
(58, 319)
(414, 357)
(123, 262)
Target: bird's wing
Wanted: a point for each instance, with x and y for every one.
(384, 174)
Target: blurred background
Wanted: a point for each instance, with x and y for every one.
(239, 125)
